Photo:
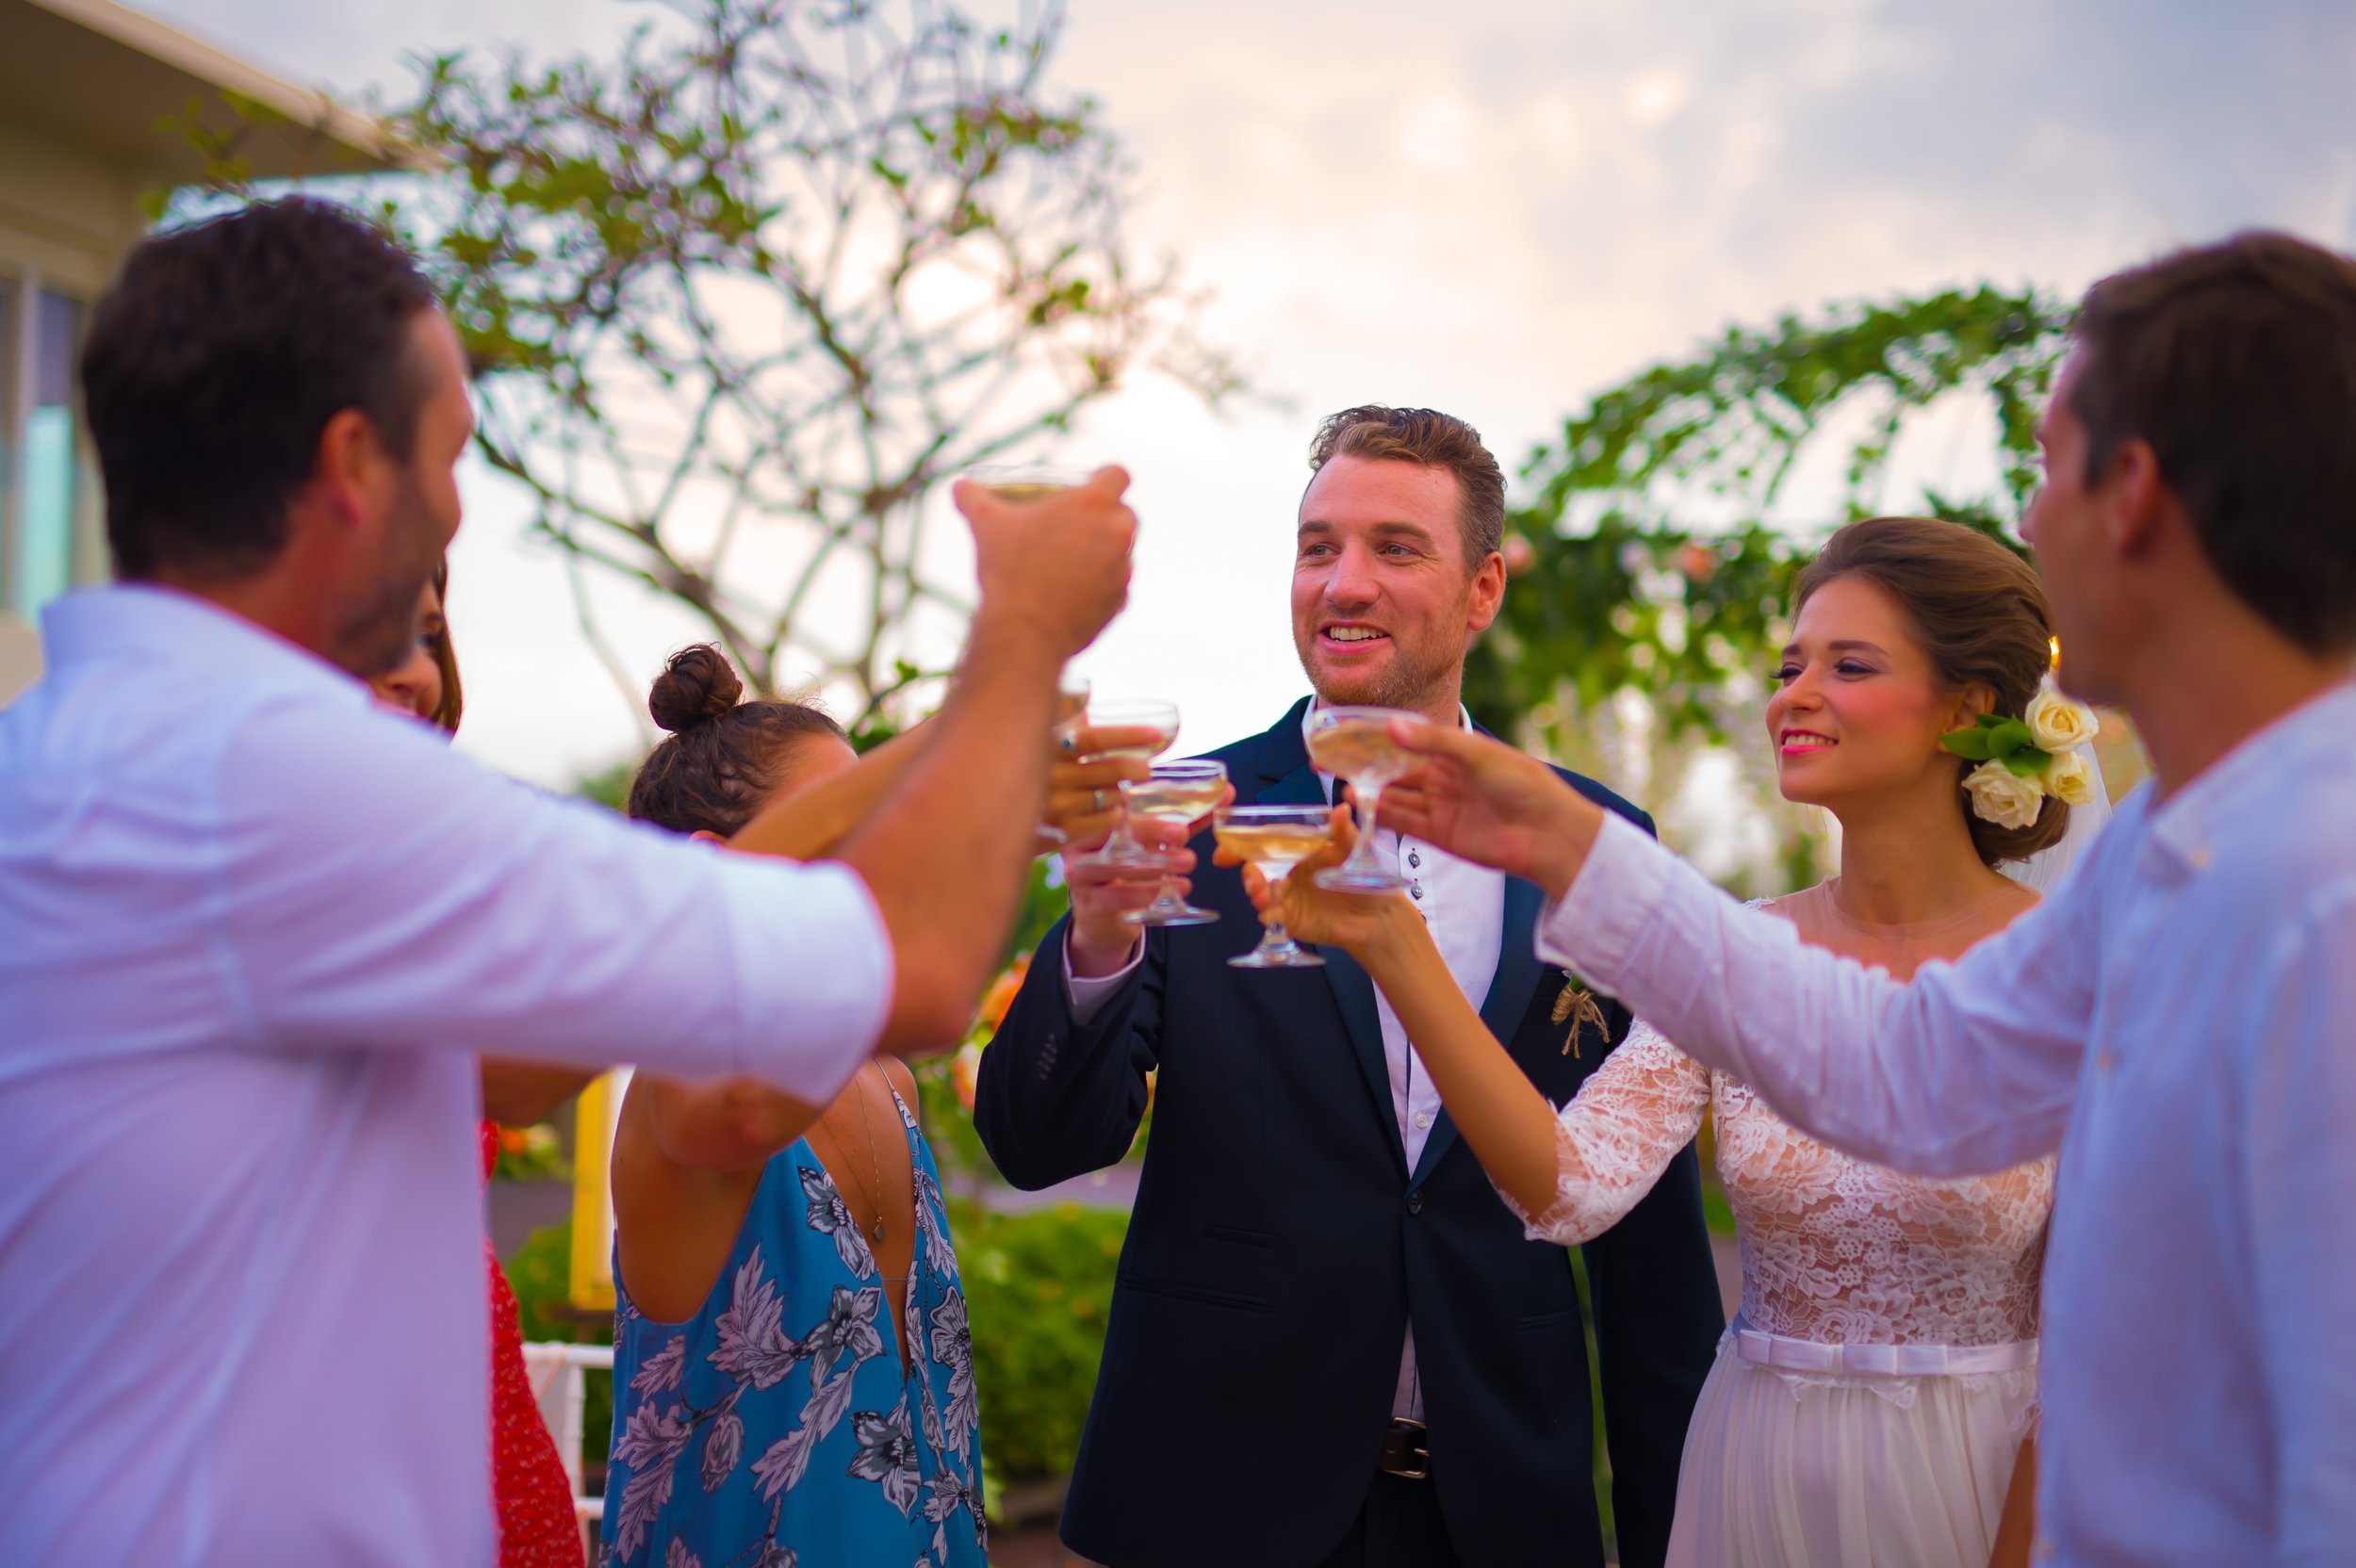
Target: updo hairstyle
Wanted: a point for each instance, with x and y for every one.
(1979, 612)
(723, 758)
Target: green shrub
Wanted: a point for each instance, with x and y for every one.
(540, 1274)
(1037, 1287)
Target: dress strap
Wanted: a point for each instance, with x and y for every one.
(1889, 1361)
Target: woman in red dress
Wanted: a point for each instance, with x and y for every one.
(537, 1526)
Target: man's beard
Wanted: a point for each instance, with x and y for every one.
(376, 631)
(1411, 680)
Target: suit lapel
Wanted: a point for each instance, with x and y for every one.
(1509, 991)
(1353, 989)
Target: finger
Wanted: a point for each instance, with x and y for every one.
(1432, 739)
(1083, 830)
(1107, 483)
(1099, 773)
(1091, 741)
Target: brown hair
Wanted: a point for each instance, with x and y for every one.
(445, 654)
(2237, 363)
(1435, 440)
(722, 761)
(1978, 610)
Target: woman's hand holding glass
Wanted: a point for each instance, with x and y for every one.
(1483, 801)
(1359, 924)
(1083, 780)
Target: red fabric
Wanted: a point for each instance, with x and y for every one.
(535, 1501)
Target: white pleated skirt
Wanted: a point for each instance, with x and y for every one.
(1832, 1470)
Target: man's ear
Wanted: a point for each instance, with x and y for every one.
(1488, 594)
(2140, 501)
(348, 464)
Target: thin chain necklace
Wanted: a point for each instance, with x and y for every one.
(867, 1132)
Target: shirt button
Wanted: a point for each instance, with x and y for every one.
(1414, 1202)
(1414, 858)
(1416, 889)
(1423, 1120)
(2106, 1060)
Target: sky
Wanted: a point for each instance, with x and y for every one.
(1492, 209)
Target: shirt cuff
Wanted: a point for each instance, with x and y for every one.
(1088, 995)
(1618, 890)
(815, 969)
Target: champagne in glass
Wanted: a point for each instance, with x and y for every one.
(1274, 838)
(1176, 796)
(1026, 481)
(1161, 718)
(1355, 744)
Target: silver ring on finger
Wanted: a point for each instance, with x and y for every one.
(1096, 800)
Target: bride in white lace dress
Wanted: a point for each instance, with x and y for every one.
(1874, 1397)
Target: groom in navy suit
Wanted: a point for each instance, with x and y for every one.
(1330, 1343)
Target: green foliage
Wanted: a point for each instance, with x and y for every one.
(609, 786)
(1999, 739)
(1039, 1287)
(540, 1274)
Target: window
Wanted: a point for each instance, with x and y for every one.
(40, 457)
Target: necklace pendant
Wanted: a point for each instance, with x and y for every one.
(879, 1229)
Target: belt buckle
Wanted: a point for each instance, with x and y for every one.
(1418, 1452)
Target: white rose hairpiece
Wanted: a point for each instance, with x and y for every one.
(2025, 759)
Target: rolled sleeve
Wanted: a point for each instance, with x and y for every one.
(375, 890)
(814, 972)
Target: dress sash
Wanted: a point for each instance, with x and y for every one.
(1887, 1361)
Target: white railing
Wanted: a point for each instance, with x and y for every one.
(557, 1382)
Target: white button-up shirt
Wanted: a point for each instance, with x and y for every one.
(1463, 905)
(252, 931)
(2179, 1018)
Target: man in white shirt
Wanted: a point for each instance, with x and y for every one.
(1331, 1346)
(2179, 1018)
(252, 930)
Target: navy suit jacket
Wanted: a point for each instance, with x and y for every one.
(1279, 1246)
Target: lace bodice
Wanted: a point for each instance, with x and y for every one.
(1833, 1248)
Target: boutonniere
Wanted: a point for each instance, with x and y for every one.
(1577, 1005)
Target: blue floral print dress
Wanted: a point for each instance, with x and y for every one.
(776, 1427)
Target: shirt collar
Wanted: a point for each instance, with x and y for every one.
(2186, 824)
(93, 624)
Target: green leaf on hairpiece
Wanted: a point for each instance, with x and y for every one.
(1969, 745)
(2031, 763)
(2008, 735)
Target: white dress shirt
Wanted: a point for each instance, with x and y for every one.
(252, 931)
(1463, 905)
(2179, 1018)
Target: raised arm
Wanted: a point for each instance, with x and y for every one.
(1569, 1177)
(1968, 1068)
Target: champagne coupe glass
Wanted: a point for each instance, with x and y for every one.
(1026, 481)
(1355, 744)
(1274, 838)
(1177, 796)
(1159, 717)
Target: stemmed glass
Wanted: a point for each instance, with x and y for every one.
(1274, 838)
(1026, 481)
(1355, 744)
(1162, 719)
(1173, 798)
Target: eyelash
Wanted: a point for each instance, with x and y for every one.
(1850, 667)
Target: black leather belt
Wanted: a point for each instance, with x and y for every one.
(1404, 1451)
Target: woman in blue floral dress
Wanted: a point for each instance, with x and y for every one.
(792, 1372)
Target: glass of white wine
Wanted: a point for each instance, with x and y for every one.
(1274, 838)
(1161, 720)
(1177, 796)
(1355, 744)
(1026, 481)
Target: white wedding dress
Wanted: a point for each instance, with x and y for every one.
(1868, 1401)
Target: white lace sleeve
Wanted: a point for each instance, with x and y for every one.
(1612, 1142)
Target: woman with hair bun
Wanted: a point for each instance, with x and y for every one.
(794, 1374)
(1872, 1401)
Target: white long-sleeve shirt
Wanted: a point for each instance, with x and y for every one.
(2179, 1018)
(252, 930)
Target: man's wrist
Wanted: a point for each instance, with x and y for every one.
(1094, 959)
(1008, 641)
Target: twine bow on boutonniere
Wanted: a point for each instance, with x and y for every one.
(1577, 1005)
